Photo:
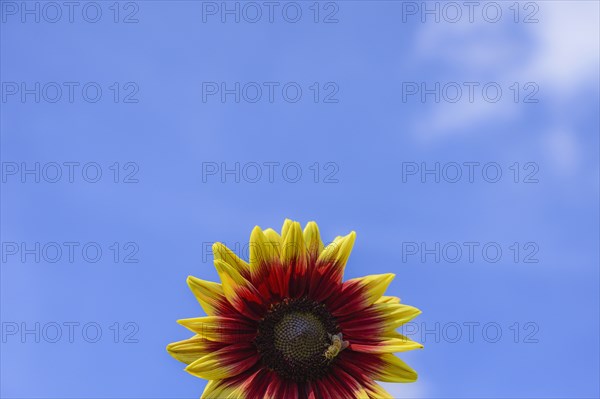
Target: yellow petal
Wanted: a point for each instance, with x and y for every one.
(286, 225)
(273, 239)
(190, 350)
(272, 236)
(397, 314)
(230, 277)
(376, 391)
(395, 370)
(403, 345)
(262, 253)
(208, 293)
(218, 389)
(312, 238)
(390, 343)
(396, 335)
(217, 328)
(373, 287)
(235, 388)
(360, 393)
(293, 250)
(221, 252)
(224, 363)
(388, 299)
(338, 251)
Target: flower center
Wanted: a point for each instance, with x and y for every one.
(300, 336)
(293, 339)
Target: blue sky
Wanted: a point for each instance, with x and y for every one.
(363, 143)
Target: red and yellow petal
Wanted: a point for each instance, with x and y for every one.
(376, 321)
(338, 252)
(380, 367)
(190, 350)
(393, 369)
(359, 293)
(328, 271)
(221, 329)
(266, 271)
(314, 245)
(390, 343)
(293, 249)
(345, 385)
(221, 252)
(210, 295)
(376, 391)
(240, 292)
(294, 258)
(226, 362)
(224, 389)
(241, 386)
(262, 252)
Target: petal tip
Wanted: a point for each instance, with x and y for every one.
(182, 321)
(188, 368)
(221, 266)
(190, 280)
(217, 246)
(387, 278)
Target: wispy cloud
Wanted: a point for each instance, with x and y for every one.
(559, 53)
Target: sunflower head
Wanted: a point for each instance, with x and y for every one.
(285, 324)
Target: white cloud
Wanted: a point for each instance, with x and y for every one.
(566, 52)
(559, 53)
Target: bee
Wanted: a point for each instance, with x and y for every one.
(337, 345)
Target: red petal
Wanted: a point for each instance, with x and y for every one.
(272, 281)
(281, 389)
(258, 383)
(358, 364)
(294, 257)
(308, 391)
(331, 388)
(224, 308)
(325, 280)
(299, 279)
(363, 324)
(358, 294)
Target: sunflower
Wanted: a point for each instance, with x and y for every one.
(285, 325)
